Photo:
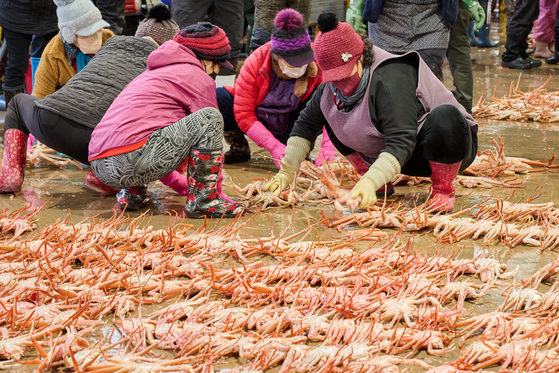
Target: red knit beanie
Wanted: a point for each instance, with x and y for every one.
(337, 48)
(207, 42)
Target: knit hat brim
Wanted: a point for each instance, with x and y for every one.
(299, 59)
(340, 72)
(93, 28)
(225, 64)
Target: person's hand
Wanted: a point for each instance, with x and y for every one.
(476, 12)
(281, 180)
(366, 190)
(295, 152)
(277, 152)
(353, 16)
(264, 139)
(380, 173)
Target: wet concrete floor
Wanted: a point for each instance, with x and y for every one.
(61, 190)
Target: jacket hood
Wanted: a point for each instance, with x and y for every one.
(171, 53)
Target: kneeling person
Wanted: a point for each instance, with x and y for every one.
(386, 115)
(167, 117)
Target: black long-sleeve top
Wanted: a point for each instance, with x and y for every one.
(393, 107)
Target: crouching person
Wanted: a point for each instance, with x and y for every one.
(167, 117)
(65, 119)
(386, 114)
(274, 86)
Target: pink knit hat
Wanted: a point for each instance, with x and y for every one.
(337, 48)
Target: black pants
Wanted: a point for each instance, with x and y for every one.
(112, 12)
(459, 59)
(225, 105)
(445, 137)
(525, 13)
(18, 56)
(53, 130)
(227, 14)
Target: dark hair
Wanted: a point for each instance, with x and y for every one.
(368, 55)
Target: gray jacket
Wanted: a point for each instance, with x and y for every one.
(88, 95)
(31, 17)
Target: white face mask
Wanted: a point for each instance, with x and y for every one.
(90, 44)
(292, 72)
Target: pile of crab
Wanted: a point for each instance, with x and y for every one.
(331, 183)
(494, 220)
(118, 295)
(538, 105)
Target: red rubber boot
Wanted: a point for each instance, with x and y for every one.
(92, 182)
(13, 161)
(441, 194)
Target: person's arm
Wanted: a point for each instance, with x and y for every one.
(354, 16)
(476, 12)
(246, 92)
(394, 106)
(311, 120)
(45, 78)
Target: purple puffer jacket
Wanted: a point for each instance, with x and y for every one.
(173, 86)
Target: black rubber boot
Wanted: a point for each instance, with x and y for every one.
(484, 41)
(9, 94)
(134, 198)
(553, 60)
(239, 150)
(203, 199)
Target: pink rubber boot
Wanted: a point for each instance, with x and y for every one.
(441, 194)
(92, 182)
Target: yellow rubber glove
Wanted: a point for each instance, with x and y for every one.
(380, 173)
(353, 15)
(295, 152)
(476, 12)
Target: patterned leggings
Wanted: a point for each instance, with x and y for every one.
(165, 150)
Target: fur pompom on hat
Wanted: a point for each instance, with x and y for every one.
(290, 39)
(207, 42)
(78, 17)
(158, 25)
(337, 48)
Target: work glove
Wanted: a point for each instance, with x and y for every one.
(476, 12)
(327, 150)
(264, 139)
(176, 181)
(353, 15)
(295, 153)
(380, 173)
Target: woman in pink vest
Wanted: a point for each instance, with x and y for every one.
(387, 114)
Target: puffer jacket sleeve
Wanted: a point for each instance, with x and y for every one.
(247, 89)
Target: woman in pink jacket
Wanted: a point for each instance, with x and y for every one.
(165, 118)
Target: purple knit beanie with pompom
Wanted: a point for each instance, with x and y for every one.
(290, 39)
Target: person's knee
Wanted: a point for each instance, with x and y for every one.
(224, 100)
(446, 117)
(12, 115)
(446, 134)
